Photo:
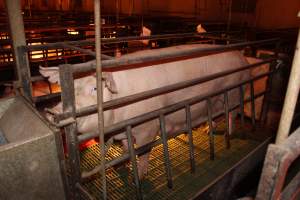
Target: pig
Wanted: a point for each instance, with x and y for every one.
(127, 82)
(200, 29)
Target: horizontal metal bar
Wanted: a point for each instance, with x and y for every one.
(147, 147)
(167, 56)
(43, 98)
(118, 40)
(155, 92)
(112, 130)
(87, 51)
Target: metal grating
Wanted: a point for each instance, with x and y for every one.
(120, 179)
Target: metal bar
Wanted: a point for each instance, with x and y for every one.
(155, 92)
(84, 192)
(211, 129)
(226, 108)
(149, 146)
(166, 56)
(43, 98)
(242, 105)
(164, 138)
(134, 163)
(68, 100)
(252, 104)
(118, 40)
(109, 131)
(22, 70)
(190, 135)
(97, 17)
(24, 73)
(291, 96)
(86, 51)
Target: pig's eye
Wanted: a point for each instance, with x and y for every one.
(93, 89)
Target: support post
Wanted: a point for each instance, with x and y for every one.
(97, 17)
(291, 97)
(17, 35)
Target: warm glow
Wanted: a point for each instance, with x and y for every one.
(72, 31)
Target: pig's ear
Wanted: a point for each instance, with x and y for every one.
(52, 73)
(110, 82)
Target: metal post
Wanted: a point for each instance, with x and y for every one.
(68, 100)
(164, 138)
(226, 108)
(252, 104)
(211, 131)
(242, 105)
(190, 135)
(99, 93)
(18, 38)
(291, 97)
(134, 163)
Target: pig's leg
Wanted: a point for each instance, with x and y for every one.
(143, 138)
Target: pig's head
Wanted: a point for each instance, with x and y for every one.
(85, 88)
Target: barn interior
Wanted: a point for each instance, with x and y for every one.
(202, 160)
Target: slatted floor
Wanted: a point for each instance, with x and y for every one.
(185, 184)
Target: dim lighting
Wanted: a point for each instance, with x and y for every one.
(72, 31)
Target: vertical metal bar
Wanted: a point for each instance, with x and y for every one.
(252, 104)
(242, 105)
(22, 70)
(68, 100)
(164, 138)
(134, 163)
(211, 131)
(190, 135)
(226, 107)
(291, 96)
(266, 100)
(97, 16)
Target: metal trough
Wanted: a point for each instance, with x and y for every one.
(30, 154)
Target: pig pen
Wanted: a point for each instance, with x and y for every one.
(214, 161)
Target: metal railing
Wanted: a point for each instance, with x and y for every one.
(68, 118)
(66, 74)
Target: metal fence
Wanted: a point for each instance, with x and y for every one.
(67, 119)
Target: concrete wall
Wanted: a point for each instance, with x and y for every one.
(277, 13)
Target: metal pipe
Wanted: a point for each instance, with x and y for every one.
(18, 38)
(147, 147)
(97, 17)
(164, 138)
(86, 51)
(166, 56)
(242, 105)
(211, 129)
(122, 39)
(226, 108)
(166, 89)
(190, 135)
(291, 97)
(112, 130)
(68, 101)
(133, 163)
(252, 105)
